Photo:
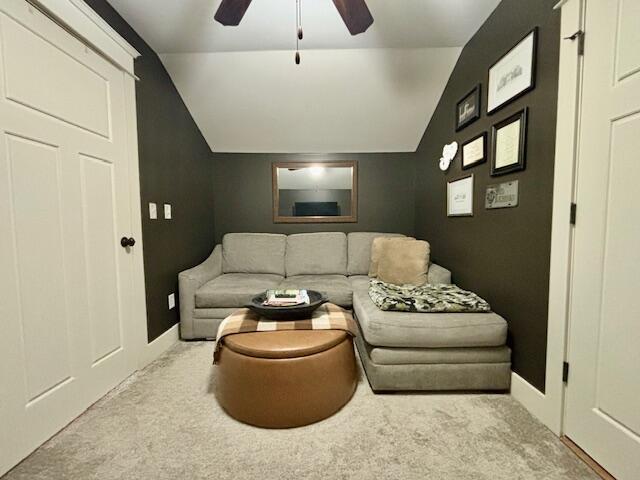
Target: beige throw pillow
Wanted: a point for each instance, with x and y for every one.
(376, 250)
(404, 263)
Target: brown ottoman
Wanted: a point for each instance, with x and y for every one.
(284, 379)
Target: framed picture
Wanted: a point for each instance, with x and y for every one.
(474, 151)
(509, 144)
(460, 197)
(514, 74)
(468, 109)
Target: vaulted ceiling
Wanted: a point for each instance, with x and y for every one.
(374, 92)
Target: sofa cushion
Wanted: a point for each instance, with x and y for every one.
(337, 287)
(234, 289)
(359, 250)
(253, 253)
(322, 253)
(404, 262)
(377, 248)
(425, 330)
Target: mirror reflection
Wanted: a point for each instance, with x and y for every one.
(314, 192)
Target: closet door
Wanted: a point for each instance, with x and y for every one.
(603, 390)
(66, 281)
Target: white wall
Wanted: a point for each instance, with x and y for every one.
(365, 100)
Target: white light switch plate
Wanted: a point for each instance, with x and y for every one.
(172, 301)
(153, 211)
(167, 211)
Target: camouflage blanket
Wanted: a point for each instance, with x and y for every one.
(429, 298)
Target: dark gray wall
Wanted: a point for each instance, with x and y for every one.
(243, 201)
(175, 168)
(503, 255)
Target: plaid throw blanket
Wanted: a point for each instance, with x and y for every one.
(327, 317)
(429, 298)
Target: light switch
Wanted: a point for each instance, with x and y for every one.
(172, 301)
(167, 211)
(153, 211)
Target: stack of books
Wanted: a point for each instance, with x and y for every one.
(286, 298)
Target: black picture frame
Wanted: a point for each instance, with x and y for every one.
(472, 98)
(532, 82)
(520, 116)
(482, 135)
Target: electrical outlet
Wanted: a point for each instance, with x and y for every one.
(153, 211)
(167, 211)
(172, 301)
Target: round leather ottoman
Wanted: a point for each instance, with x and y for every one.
(285, 379)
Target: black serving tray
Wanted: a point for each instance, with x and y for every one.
(296, 312)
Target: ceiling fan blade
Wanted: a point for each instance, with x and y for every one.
(355, 14)
(230, 12)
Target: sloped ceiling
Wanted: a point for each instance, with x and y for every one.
(374, 92)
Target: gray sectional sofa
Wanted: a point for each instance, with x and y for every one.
(399, 351)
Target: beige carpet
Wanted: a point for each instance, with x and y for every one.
(164, 423)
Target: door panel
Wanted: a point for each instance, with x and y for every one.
(35, 191)
(72, 92)
(628, 39)
(102, 267)
(602, 414)
(619, 354)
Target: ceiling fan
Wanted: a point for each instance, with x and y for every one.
(354, 13)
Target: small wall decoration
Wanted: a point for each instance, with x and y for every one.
(448, 154)
(474, 151)
(514, 74)
(508, 144)
(460, 197)
(501, 195)
(468, 109)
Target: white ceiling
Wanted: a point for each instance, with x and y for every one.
(374, 92)
(187, 26)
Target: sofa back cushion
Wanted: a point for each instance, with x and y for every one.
(253, 253)
(359, 250)
(404, 262)
(323, 253)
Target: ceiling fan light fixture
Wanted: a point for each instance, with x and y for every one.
(355, 14)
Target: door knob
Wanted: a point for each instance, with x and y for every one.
(127, 242)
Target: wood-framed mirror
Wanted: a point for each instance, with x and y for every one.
(318, 192)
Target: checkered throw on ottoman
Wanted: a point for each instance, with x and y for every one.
(327, 317)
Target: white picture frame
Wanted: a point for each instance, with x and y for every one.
(460, 197)
(513, 74)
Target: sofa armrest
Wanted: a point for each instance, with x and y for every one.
(191, 280)
(438, 274)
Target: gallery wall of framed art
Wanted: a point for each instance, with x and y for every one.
(509, 78)
(517, 215)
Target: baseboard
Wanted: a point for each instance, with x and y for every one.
(530, 397)
(160, 345)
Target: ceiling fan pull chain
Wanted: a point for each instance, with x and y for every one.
(298, 32)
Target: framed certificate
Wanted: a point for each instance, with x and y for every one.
(460, 197)
(474, 151)
(509, 144)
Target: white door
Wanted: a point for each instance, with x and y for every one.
(603, 393)
(65, 281)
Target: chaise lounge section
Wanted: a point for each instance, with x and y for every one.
(399, 350)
